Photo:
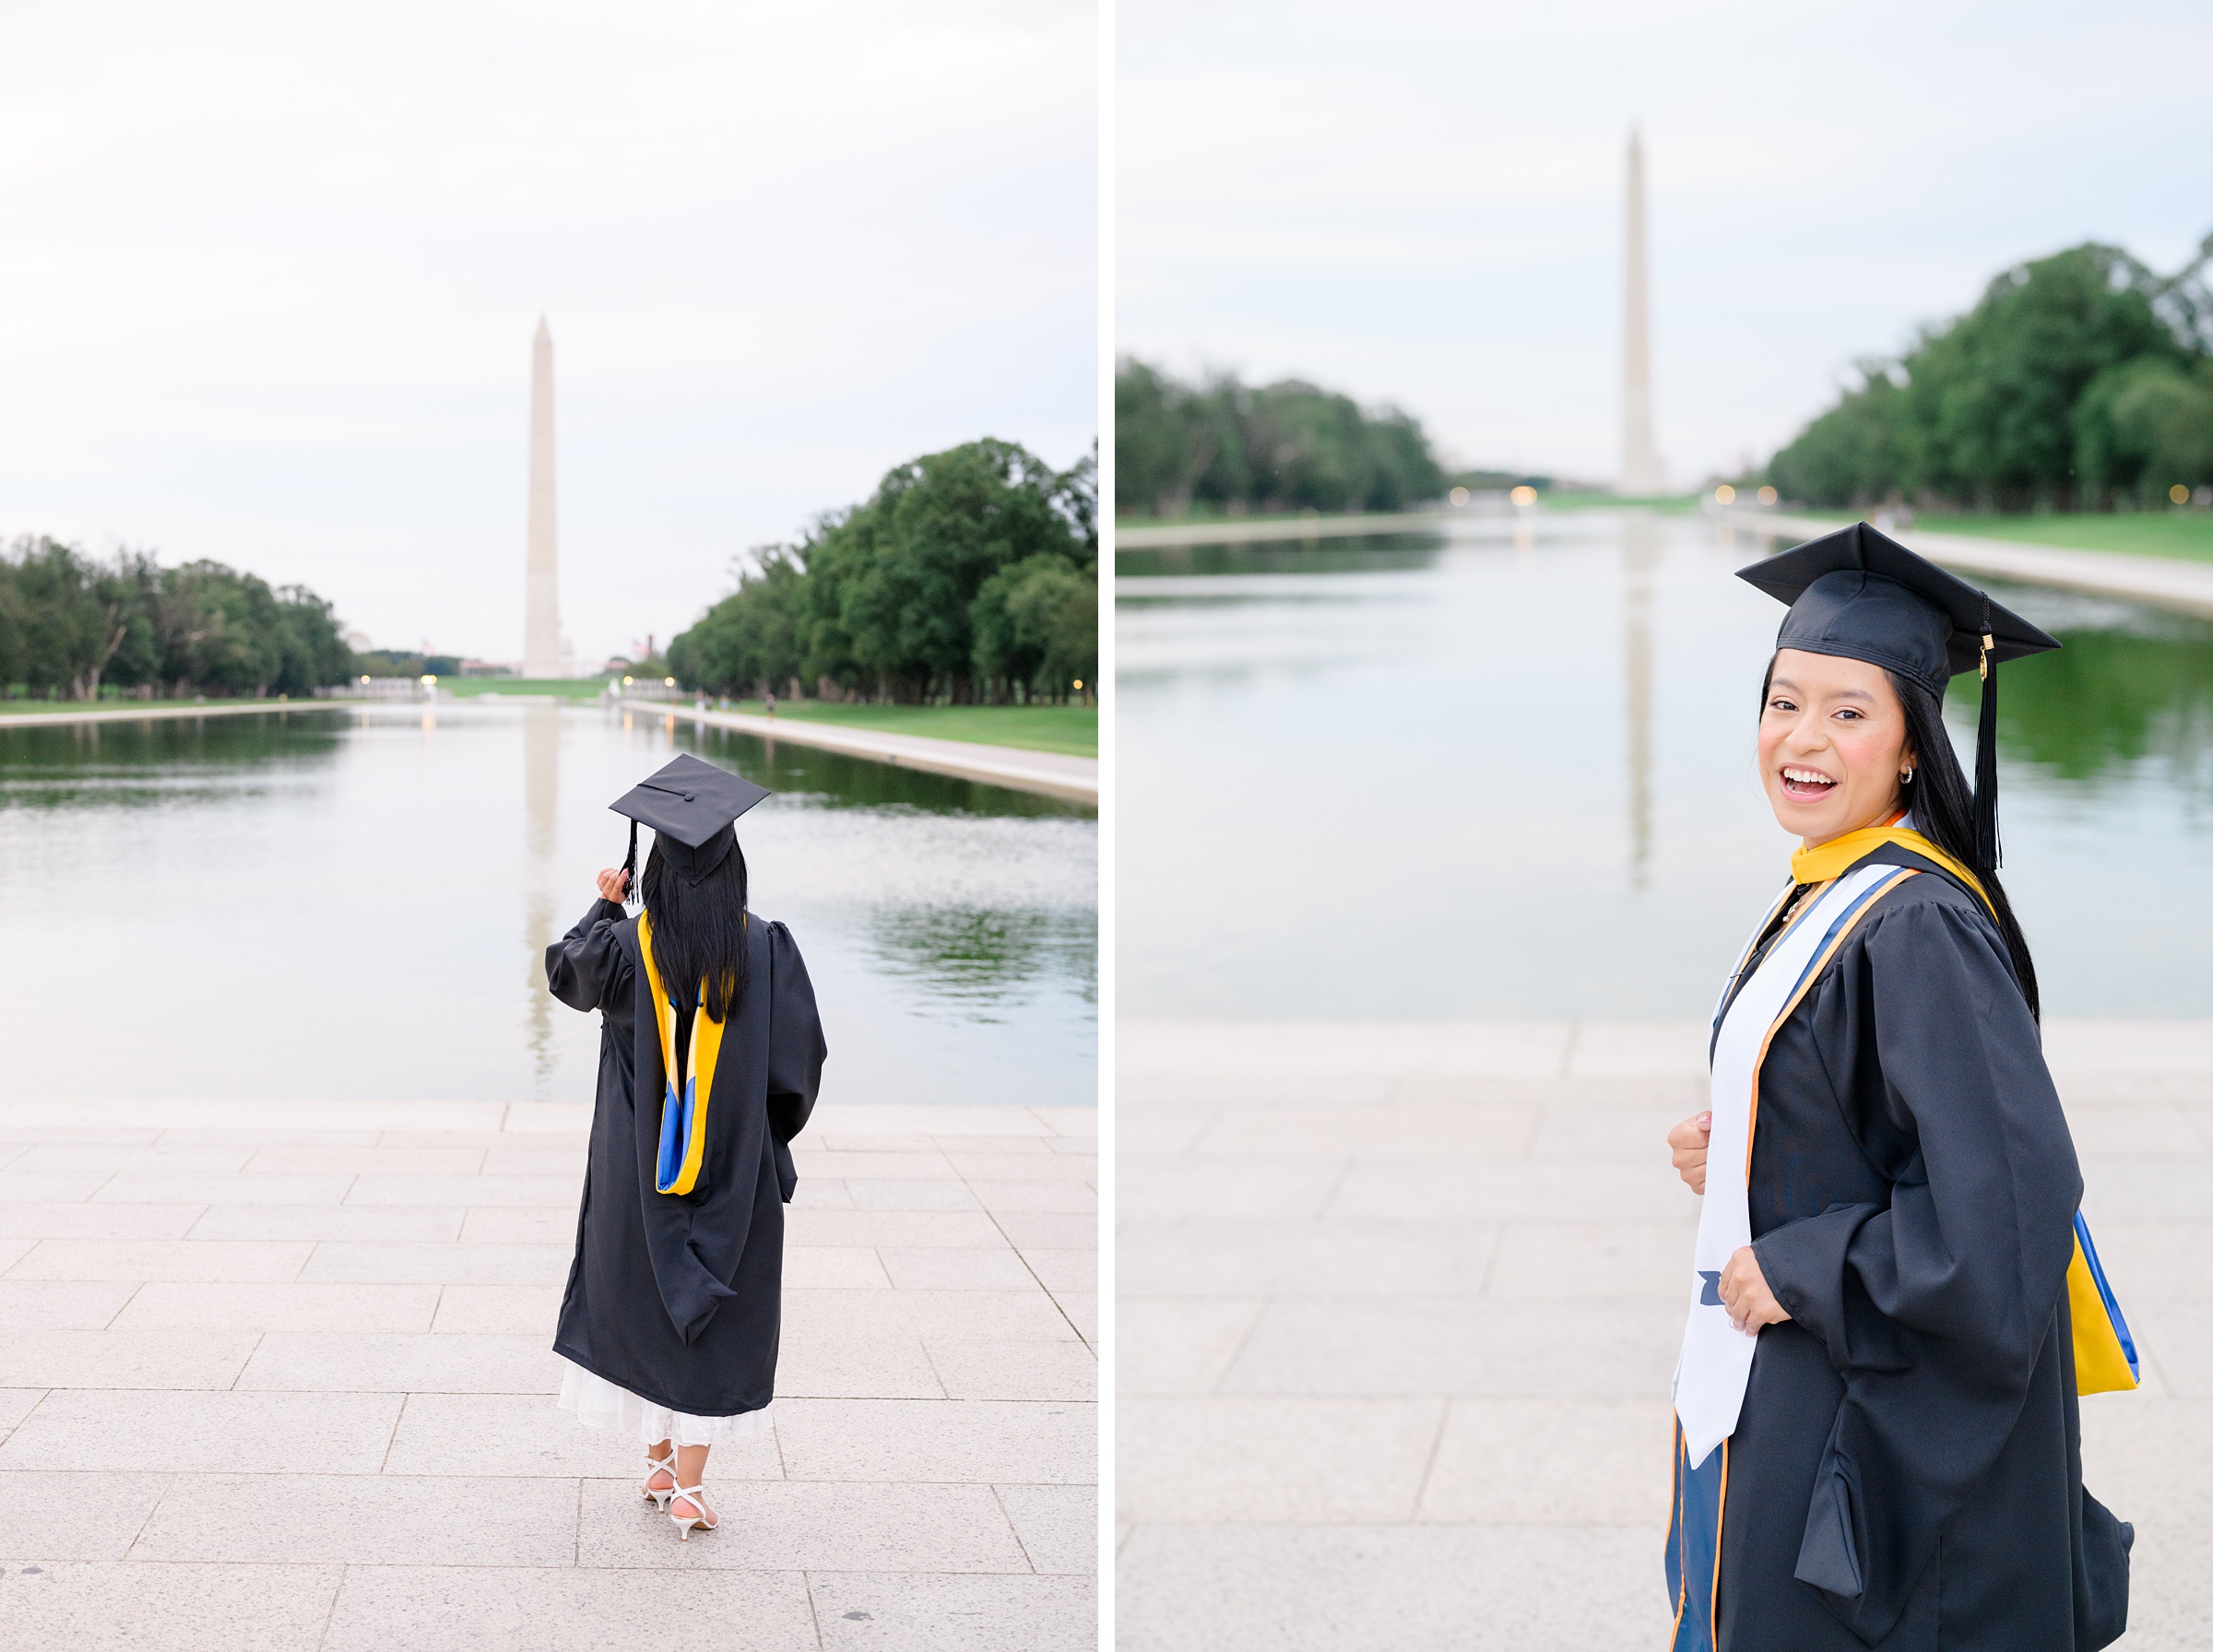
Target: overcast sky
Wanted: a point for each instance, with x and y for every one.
(1422, 202)
(269, 276)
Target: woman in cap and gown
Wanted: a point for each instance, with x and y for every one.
(710, 1053)
(1894, 1304)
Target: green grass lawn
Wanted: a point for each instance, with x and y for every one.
(566, 687)
(1220, 518)
(1073, 730)
(2185, 533)
(1563, 499)
(17, 708)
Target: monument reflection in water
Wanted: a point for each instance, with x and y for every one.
(1523, 756)
(351, 903)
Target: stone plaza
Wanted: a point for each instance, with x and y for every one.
(276, 1378)
(1398, 1306)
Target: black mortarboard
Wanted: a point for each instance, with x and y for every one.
(1860, 594)
(690, 806)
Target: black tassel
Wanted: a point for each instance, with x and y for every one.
(629, 866)
(1986, 771)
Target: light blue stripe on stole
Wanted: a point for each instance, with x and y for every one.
(1694, 1546)
(1821, 951)
(676, 1131)
(1828, 938)
(2105, 1294)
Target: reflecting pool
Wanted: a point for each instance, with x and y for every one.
(1508, 772)
(354, 904)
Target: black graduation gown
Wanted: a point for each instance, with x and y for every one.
(1906, 1471)
(676, 1298)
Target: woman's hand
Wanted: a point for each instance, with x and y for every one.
(1744, 1291)
(610, 885)
(1689, 1139)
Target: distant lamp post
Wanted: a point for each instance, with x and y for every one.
(1724, 495)
(1079, 685)
(1459, 496)
(1523, 496)
(2179, 493)
(667, 682)
(1766, 496)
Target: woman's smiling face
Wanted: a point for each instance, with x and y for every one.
(1832, 742)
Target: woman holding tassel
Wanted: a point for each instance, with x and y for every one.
(710, 1055)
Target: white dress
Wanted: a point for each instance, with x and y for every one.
(598, 1403)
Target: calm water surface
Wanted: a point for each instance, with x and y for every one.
(352, 903)
(1509, 772)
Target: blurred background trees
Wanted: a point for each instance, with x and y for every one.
(1223, 446)
(2083, 381)
(969, 575)
(73, 624)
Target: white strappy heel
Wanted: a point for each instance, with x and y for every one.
(660, 1465)
(696, 1497)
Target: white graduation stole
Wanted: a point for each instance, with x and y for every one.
(1716, 1361)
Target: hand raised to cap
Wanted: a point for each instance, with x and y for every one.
(611, 885)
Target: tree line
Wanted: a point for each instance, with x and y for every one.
(969, 575)
(72, 625)
(2083, 381)
(1226, 447)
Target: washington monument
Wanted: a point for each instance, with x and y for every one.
(1641, 470)
(542, 585)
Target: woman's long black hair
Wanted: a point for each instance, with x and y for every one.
(699, 931)
(1944, 811)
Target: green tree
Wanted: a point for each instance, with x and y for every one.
(891, 583)
(1994, 392)
(215, 631)
(1176, 443)
(1038, 628)
(879, 600)
(1289, 445)
(1859, 452)
(751, 641)
(311, 646)
(2056, 389)
(70, 623)
(2142, 427)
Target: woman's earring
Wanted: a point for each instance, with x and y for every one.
(1905, 777)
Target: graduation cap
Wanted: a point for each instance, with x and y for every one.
(1860, 594)
(690, 806)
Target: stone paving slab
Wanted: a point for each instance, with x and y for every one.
(205, 1432)
(1305, 1587)
(311, 1368)
(36, 1221)
(910, 1611)
(443, 1609)
(177, 1607)
(1400, 1304)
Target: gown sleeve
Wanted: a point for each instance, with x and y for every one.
(1934, 1309)
(587, 966)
